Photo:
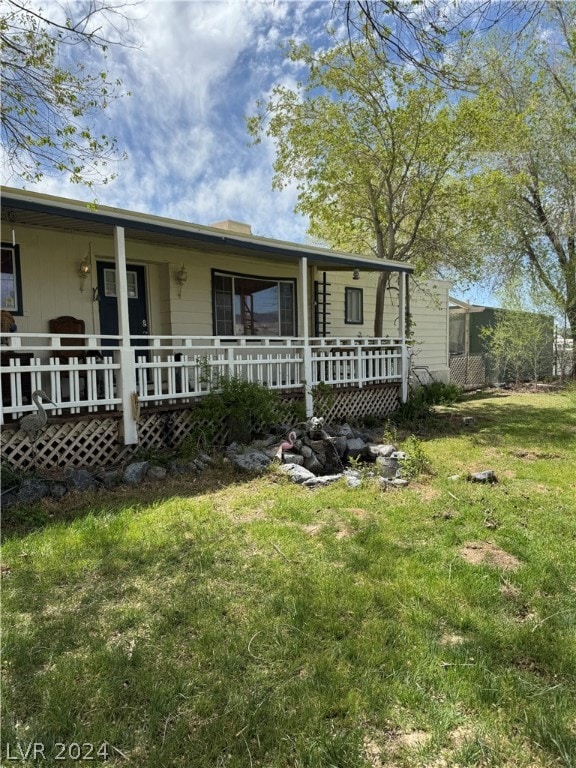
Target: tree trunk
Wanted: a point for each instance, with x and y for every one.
(571, 315)
(383, 280)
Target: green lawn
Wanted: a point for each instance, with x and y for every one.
(248, 623)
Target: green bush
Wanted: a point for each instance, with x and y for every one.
(243, 406)
(419, 406)
(416, 462)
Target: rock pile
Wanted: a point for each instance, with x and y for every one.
(311, 454)
(315, 454)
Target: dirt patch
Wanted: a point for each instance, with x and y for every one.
(358, 512)
(395, 741)
(459, 736)
(451, 639)
(343, 532)
(372, 752)
(486, 553)
(313, 530)
(412, 739)
(535, 455)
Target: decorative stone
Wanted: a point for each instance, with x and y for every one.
(388, 466)
(293, 458)
(399, 482)
(487, 476)
(340, 445)
(251, 461)
(9, 500)
(32, 491)
(80, 479)
(297, 473)
(322, 480)
(306, 451)
(313, 464)
(157, 473)
(58, 490)
(381, 450)
(177, 469)
(356, 447)
(136, 472)
(344, 430)
(111, 479)
(353, 481)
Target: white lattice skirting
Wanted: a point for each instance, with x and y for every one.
(95, 443)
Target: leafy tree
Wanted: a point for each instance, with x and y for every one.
(54, 84)
(525, 178)
(433, 36)
(520, 344)
(376, 155)
(521, 340)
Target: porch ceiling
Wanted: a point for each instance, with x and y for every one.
(30, 209)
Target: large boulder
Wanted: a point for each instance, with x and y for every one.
(135, 473)
(250, 461)
(356, 447)
(80, 479)
(32, 491)
(297, 473)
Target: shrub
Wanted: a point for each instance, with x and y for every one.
(245, 407)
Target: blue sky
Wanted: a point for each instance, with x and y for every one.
(198, 71)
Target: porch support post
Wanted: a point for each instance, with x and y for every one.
(402, 299)
(305, 332)
(127, 377)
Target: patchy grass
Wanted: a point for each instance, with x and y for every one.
(263, 624)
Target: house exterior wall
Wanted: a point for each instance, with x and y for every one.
(192, 313)
(428, 309)
(51, 285)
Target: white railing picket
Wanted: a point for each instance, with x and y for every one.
(178, 369)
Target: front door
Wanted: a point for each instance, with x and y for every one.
(107, 303)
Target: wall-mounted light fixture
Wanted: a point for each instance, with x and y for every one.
(181, 277)
(356, 274)
(83, 272)
(84, 268)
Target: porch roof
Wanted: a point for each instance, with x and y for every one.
(39, 210)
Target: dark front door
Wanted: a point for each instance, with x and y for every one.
(108, 307)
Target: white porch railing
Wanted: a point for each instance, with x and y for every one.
(178, 369)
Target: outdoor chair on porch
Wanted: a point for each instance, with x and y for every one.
(66, 324)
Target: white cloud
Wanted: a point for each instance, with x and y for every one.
(199, 70)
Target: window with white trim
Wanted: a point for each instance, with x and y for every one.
(354, 306)
(253, 306)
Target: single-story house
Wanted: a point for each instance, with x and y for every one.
(120, 315)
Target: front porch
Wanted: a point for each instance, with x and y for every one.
(112, 397)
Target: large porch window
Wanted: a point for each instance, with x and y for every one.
(253, 306)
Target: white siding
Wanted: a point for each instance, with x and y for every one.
(428, 308)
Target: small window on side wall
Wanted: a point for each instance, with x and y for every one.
(10, 277)
(354, 306)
